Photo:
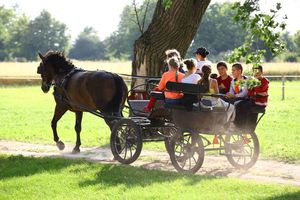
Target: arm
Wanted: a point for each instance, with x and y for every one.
(243, 93)
(162, 83)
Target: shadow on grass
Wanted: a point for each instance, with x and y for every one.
(20, 166)
(106, 174)
(113, 175)
(288, 196)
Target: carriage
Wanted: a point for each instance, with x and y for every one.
(187, 133)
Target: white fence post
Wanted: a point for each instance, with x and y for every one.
(283, 86)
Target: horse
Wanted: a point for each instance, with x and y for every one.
(78, 90)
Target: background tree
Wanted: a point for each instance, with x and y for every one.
(44, 33)
(88, 46)
(12, 27)
(119, 43)
(218, 32)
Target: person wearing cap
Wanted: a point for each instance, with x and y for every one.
(224, 80)
(200, 55)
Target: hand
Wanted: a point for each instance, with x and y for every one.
(230, 96)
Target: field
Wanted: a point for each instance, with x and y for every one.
(28, 69)
(49, 178)
(26, 113)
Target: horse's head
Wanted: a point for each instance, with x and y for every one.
(54, 65)
(47, 73)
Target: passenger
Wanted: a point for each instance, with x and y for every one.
(224, 80)
(210, 83)
(258, 98)
(238, 94)
(212, 88)
(192, 78)
(172, 75)
(173, 53)
(237, 91)
(200, 55)
(259, 95)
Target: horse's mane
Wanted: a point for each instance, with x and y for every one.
(59, 62)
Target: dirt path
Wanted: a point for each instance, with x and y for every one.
(264, 170)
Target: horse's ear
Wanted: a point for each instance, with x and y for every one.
(41, 56)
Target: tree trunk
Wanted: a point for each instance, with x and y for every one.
(170, 28)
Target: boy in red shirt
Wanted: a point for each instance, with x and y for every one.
(224, 80)
(259, 94)
(258, 98)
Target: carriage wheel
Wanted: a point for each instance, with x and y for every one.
(186, 152)
(171, 132)
(126, 141)
(242, 150)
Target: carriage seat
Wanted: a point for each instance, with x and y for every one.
(258, 110)
(157, 95)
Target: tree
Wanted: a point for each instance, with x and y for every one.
(218, 32)
(174, 25)
(297, 41)
(88, 46)
(119, 44)
(44, 33)
(261, 27)
(12, 27)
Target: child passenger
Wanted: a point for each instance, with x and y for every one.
(190, 76)
(200, 55)
(172, 75)
(224, 80)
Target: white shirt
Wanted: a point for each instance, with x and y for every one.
(200, 64)
(192, 78)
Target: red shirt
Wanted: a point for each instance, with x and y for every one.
(260, 93)
(224, 85)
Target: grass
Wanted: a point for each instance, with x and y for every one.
(26, 113)
(55, 178)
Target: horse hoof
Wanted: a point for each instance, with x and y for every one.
(60, 145)
(76, 150)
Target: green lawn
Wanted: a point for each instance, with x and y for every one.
(49, 178)
(26, 113)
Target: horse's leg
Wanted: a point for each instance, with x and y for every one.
(78, 130)
(58, 113)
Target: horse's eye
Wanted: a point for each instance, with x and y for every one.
(39, 70)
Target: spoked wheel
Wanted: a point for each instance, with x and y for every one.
(186, 152)
(171, 132)
(242, 150)
(126, 141)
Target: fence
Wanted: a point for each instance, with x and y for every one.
(18, 80)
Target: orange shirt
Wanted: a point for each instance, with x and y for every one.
(170, 76)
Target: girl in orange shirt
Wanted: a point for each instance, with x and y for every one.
(173, 76)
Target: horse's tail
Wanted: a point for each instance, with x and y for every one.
(117, 104)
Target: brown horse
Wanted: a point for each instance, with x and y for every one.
(79, 90)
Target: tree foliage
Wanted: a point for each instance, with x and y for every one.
(259, 27)
(119, 45)
(12, 28)
(44, 33)
(218, 32)
(88, 46)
